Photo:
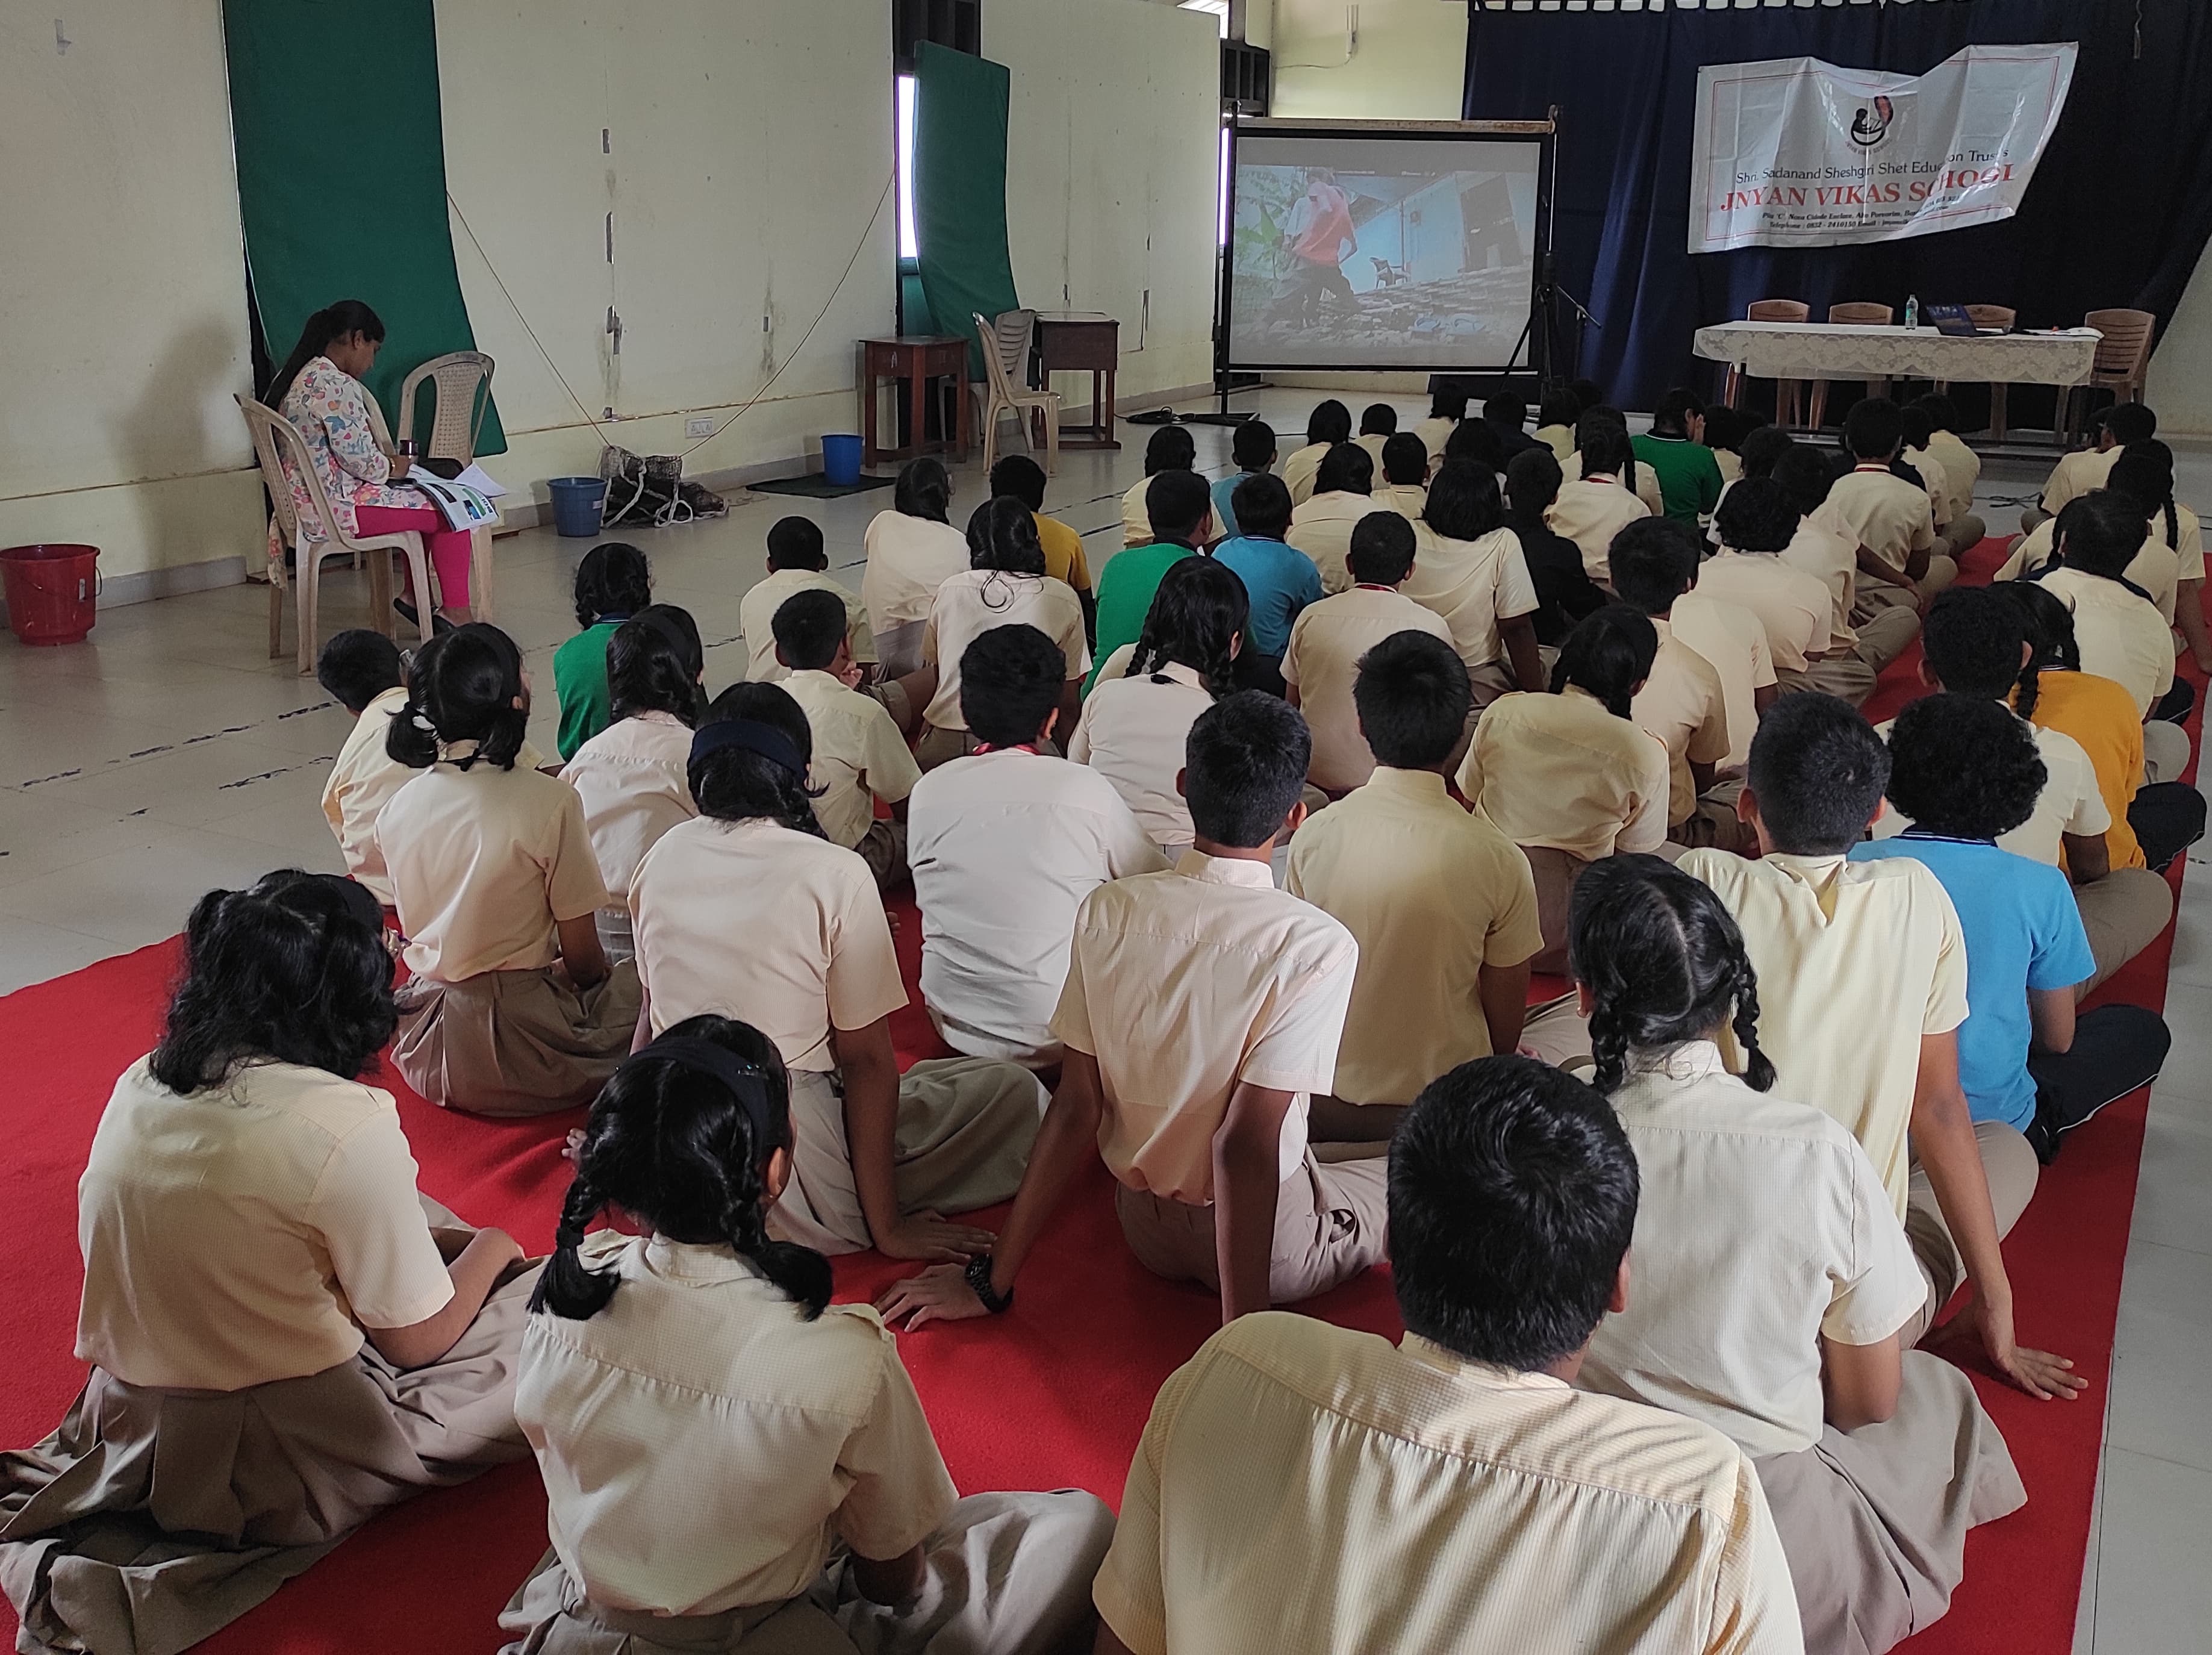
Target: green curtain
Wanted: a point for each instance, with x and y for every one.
(342, 178)
(960, 189)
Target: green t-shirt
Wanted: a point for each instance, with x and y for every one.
(1689, 476)
(1125, 587)
(580, 683)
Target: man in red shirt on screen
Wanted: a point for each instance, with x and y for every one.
(1319, 236)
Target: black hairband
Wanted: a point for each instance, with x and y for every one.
(771, 1126)
(753, 737)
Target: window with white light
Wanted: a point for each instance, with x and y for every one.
(909, 246)
(1217, 9)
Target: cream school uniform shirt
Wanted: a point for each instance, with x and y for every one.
(860, 755)
(485, 863)
(2071, 801)
(2155, 568)
(1734, 643)
(1434, 433)
(1646, 489)
(1133, 731)
(1724, 1320)
(1590, 511)
(1823, 549)
(1855, 967)
(1885, 514)
(1935, 480)
(245, 1233)
(2189, 543)
(1402, 1497)
(1300, 470)
(972, 602)
(756, 619)
(360, 785)
(704, 1445)
(1472, 585)
(2077, 474)
(776, 927)
(1432, 894)
(1962, 469)
(1408, 499)
(1322, 528)
(632, 778)
(2122, 636)
(1684, 707)
(1182, 985)
(909, 558)
(1004, 846)
(1791, 606)
(1561, 772)
(1326, 641)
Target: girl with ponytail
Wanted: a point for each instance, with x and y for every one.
(2144, 472)
(319, 389)
(912, 550)
(1773, 1287)
(752, 909)
(631, 776)
(513, 1008)
(710, 1428)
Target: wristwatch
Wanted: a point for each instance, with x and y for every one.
(979, 1278)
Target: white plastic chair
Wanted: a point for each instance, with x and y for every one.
(462, 380)
(278, 444)
(1005, 342)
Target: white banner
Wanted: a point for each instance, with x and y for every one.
(1796, 153)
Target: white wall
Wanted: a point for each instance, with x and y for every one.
(1410, 64)
(2180, 386)
(1113, 174)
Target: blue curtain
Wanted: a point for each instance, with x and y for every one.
(2119, 213)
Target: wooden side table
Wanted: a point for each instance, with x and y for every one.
(1083, 341)
(917, 358)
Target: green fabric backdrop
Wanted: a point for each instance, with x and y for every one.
(960, 189)
(342, 178)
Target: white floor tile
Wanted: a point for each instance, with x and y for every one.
(2162, 1355)
(2173, 1192)
(2153, 1590)
(35, 953)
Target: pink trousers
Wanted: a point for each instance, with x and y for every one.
(448, 548)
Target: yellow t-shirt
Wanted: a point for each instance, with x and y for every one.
(1063, 552)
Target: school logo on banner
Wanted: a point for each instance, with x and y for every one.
(1796, 153)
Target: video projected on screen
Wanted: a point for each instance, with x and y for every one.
(1351, 250)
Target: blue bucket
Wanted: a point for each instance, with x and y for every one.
(577, 502)
(841, 459)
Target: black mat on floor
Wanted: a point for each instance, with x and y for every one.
(815, 486)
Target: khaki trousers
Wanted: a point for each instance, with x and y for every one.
(2165, 751)
(2123, 914)
(1875, 597)
(2009, 1164)
(1331, 1223)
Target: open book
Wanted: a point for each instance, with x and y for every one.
(462, 506)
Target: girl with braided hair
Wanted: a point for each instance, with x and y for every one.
(729, 1461)
(1136, 719)
(1773, 1276)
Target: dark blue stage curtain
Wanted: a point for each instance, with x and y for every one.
(2117, 215)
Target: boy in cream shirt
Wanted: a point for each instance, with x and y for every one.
(1863, 975)
(1201, 1011)
(1892, 521)
(797, 563)
(361, 671)
(2076, 474)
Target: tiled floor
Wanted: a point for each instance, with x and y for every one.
(167, 756)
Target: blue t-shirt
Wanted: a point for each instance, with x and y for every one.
(2023, 931)
(1224, 513)
(1280, 581)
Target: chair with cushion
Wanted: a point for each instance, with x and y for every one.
(1851, 315)
(2123, 361)
(2004, 319)
(280, 448)
(1785, 391)
(1006, 351)
(461, 382)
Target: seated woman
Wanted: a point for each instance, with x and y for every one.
(1135, 722)
(285, 1336)
(911, 549)
(513, 1009)
(1570, 776)
(752, 911)
(730, 1461)
(318, 390)
(630, 775)
(1772, 1276)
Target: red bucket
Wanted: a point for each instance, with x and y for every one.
(52, 592)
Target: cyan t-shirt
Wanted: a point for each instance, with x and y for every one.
(1224, 511)
(2023, 931)
(1279, 580)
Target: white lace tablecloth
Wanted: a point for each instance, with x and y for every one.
(1843, 351)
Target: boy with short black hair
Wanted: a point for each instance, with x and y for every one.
(1892, 521)
(1683, 704)
(1252, 447)
(2121, 633)
(1181, 507)
(1378, 423)
(1506, 413)
(1442, 904)
(613, 583)
(1689, 476)
(798, 561)
(1022, 478)
(1861, 970)
(365, 673)
(1756, 522)
(1280, 581)
(1404, 486)
(1434, 1494)
(1170, 448)
(1201, 1010)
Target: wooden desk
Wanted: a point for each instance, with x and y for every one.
(1083, 341)
(917, 358)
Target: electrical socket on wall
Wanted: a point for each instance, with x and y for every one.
(699, 428)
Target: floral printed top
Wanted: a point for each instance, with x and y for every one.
(329, 408)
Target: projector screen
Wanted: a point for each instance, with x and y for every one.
(1388, 249)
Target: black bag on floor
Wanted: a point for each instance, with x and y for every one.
(650, 489)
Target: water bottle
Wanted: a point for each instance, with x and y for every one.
(1912, 310)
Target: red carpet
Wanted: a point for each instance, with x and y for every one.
(1054, 1396)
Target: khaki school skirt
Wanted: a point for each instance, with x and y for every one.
(515, 1042)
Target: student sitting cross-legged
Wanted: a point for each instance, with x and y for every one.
(630, 774)
(1890, 520)
(731, 1461)
(1403, 471)
(1467, 567)
(1965, 770)
(1756, 524)
(363, 672)
(1328, 424)
(797, 563)
(1182, 519)
(1252, 448)
(1772, 1275)
(912, 549)
(2121, 633)
(613, 583)
(513, 1008)
(1304, 1486)
(1321, 526)
(1864, 969)
(1280, 581)
(1170, 448)
(1018, 476)
(1201, 1011)
(1565, 591)
(285, 1337)
(1441, 903)
(750, 911)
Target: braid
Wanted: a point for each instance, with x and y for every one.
(2173, 524)
(1758, 1068)
(566, 1287)
(2028, 688)
(1610, 1045)
(800, 1274)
